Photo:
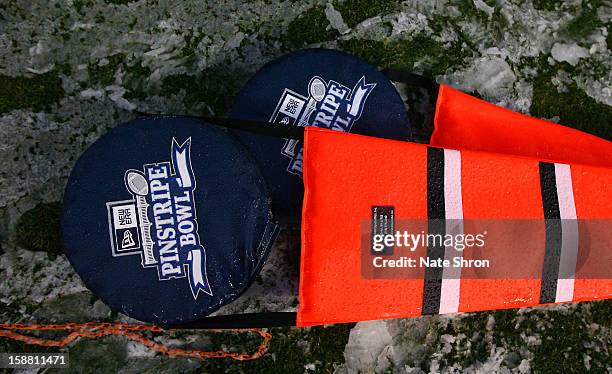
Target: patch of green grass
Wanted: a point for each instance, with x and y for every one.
(191, 43)
(105, 75)
(215, 86)
(287, 352)
(38, 229)
(601, 312)
(37, 92)
(82, 4)
(469, 350)
(574, 107)
(119, 2)
(586, 22)
(549, 5)
(310, 27)
(562, 335)
(355, 11)
(562, 347)
(588, 67)
(138, 75)
(496, 23)
(469, 11)
(434, 56)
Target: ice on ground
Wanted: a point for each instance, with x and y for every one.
(91, 93)
(335, 19)
(369, 347)
(600, 90)
(481, 5)
(276, 287)
(525, 367)
(491, 76)
(310, 367)
(571, 53)
(492, 365)
(408, 23)
(116, 94)
(435, 344)
(35, 278)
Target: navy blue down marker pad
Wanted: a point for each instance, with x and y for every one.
(167, 219)
(318, 87)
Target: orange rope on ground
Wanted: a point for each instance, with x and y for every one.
(130, 331)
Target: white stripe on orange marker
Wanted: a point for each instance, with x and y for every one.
(569, 233)
(453, 204)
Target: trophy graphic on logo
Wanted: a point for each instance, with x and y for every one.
(137, 184)
(328, 105)
(130, 227)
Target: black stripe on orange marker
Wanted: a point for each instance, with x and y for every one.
(552, 217)
(436, 226)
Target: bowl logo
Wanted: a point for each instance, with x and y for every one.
(329, 105)
(159, 223)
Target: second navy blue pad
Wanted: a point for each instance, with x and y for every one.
(319, 87)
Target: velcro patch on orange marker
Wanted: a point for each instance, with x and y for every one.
(351, 179)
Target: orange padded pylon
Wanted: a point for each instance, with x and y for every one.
(351, 181)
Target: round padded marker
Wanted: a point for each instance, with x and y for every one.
(166, 219)
(320, 87)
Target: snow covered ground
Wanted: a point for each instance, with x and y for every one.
(70, 70)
